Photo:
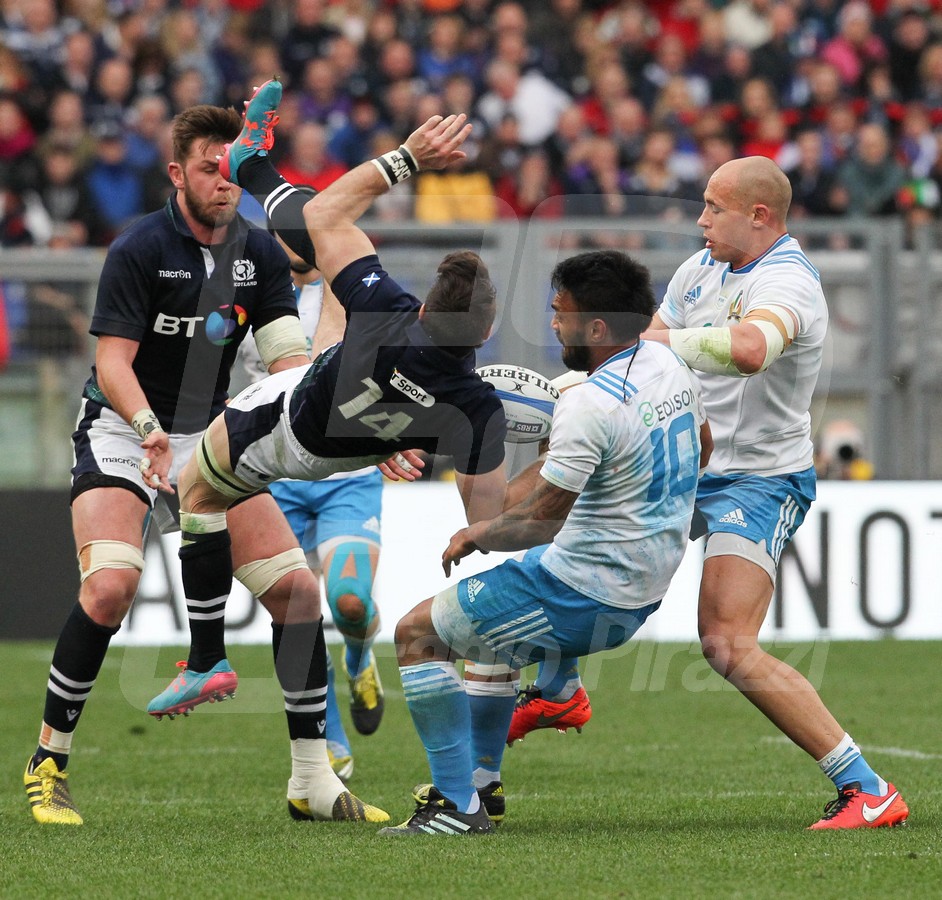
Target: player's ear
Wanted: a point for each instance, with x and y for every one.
(175, 171)
(598, 331)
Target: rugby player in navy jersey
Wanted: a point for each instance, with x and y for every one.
(179, 291)
(403, 376)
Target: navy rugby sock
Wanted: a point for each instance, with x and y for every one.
(301, 665)
(77, 659)
(207, 580)
(282, 201)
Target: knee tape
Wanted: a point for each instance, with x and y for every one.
(96, 555)
(360, 584)
(218, 476)
(490, 688)
(263, 574)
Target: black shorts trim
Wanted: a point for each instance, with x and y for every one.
(257, 493)
(88, 481)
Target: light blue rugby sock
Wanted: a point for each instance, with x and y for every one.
(492, 707)
(845, 764)
(357, 655)
(334, 730)
(559, 679)
(439, 708)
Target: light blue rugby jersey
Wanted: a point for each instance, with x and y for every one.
(628, 441)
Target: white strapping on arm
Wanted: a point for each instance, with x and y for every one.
(280, 339)
(774, 342)
(705, 349)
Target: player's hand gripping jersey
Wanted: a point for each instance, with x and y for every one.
(761, 424)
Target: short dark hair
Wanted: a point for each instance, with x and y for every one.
(462, 303)
(609, 285)
(210, 124)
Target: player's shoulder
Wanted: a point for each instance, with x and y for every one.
(259, 239)
(143, 236)
(786, 259)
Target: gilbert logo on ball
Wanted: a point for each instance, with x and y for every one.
(528, 399)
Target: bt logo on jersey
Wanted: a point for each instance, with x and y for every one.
(219, 325)
(165, 324)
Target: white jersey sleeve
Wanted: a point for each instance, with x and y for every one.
(577, 441)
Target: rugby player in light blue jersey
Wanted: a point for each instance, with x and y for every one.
(749, 314)
(603, 520)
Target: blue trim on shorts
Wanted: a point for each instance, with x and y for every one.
(318, 511)
(524, 614)
(761, 508)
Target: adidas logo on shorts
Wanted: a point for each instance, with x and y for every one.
(475, 586)
(734, 517)
(372, 524)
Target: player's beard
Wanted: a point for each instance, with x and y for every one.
(207, 214)
(576, 357)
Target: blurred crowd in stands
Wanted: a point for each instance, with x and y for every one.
(581, 107)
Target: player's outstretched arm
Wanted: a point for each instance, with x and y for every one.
(534, 521)
(331, 216)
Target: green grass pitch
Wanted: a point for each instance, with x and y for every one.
(677, 788)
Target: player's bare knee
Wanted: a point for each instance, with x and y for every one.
(726, 649)
(416, 639)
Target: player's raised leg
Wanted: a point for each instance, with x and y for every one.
(247, 164)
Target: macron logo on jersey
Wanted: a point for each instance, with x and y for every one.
(173, 273)
(370, 279)
(693, 295)
(734, 517)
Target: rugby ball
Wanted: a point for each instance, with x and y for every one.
(528, 400)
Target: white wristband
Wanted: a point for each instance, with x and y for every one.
(144, 422)
(397, 165)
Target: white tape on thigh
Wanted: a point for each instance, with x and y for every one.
(263, 574)
(482, 670)
(97, 555)
(721, 543)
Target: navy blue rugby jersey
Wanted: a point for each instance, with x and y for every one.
(189, 306)
(387, 387)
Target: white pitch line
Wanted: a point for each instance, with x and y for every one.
(889, 751)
